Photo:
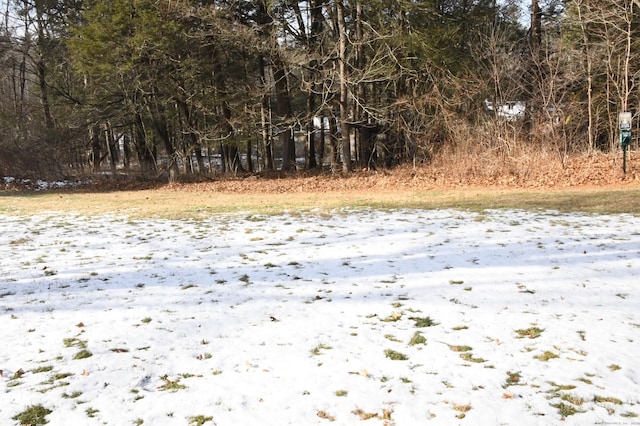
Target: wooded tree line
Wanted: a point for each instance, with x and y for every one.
(181, 87)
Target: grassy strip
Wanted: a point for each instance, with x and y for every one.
(167, 203)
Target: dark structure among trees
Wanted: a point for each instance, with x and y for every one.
(179, 87)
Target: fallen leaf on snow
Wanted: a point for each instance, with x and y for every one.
(324, 415)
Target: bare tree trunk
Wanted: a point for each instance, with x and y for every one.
(96, 147)
(284, 117)
(589, 76)
(41, 67)
(266, 136)
(265, 121)
(145, 153)
(321, 145)
(333, 143)
(249, 159)
(126, 155)
(535, 44)
(363, 138)
(161, 127)
(314, 70)
(344, 94)
(112, 148)
(536, 26)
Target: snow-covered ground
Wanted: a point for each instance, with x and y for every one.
(354, 317)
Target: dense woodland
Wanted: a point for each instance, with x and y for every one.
(174, 88)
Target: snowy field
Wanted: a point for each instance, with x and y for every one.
(354, 317)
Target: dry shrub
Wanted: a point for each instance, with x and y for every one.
(35, 163)
(496, 155)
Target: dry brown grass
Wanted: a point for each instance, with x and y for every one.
(584, 183)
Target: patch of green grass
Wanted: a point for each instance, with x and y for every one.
(19, 241)
(417, 339)
(585, 380)
(546, 356)
(146, 320)
(55, 381)
(394, 355)
(572, 399)
(392, 338)
(71, 395)
(60, 376)
(460, 348)
(524, 289)
(513, 378)
(566, 410)
(531, 332)
(456, 282)
(629, 414)
(91, 412)
(43, 369)
(199, 420)
(460, 328)
(33, 415)
(74, 342)
(55, 377)
(187, 286)
(15, 376)
(422, 322)
(462, 409)
(609, 399)
(561, 387)
(470, 358)
(84, 353)
(171, 385)
(614, 367)
(342, 392)
(320, 347)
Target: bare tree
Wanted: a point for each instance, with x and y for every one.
(345, 150)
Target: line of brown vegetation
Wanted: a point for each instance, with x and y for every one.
(489, 179)
(529, 170)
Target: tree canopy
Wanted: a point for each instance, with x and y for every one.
(179, 87)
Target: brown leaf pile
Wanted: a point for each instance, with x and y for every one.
(578, 171)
